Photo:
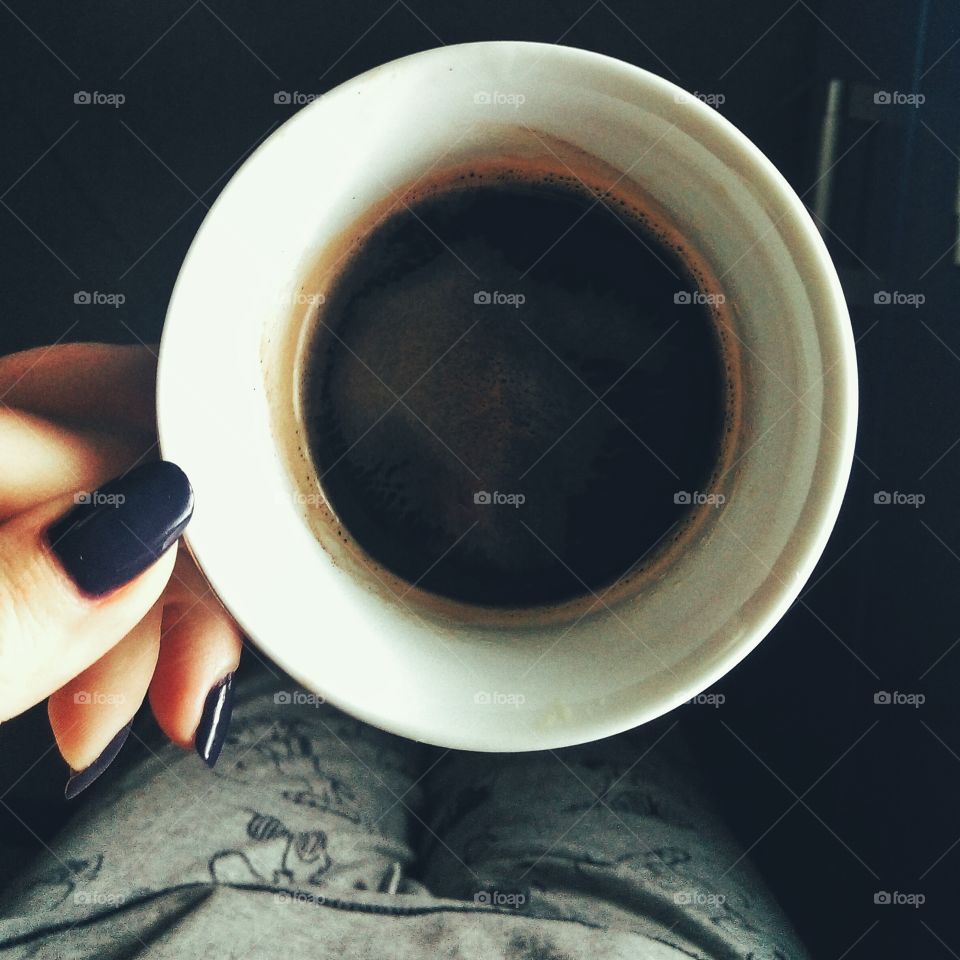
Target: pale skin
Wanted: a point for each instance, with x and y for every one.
(71, 418)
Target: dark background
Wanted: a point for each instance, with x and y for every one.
(836, 796)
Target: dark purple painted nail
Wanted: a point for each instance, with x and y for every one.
(116, 532)
(214, 721)
(81, 779)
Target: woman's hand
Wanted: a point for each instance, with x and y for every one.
(97, 608)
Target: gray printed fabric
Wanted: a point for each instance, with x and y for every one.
(318, 836)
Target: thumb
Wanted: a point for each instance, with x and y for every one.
(77, 574)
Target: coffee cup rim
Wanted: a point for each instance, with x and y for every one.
(175, 417)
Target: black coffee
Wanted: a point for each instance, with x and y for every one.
(514, 391)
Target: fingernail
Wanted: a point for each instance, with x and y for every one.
(214, 721)
(118, 531)
(81, 779)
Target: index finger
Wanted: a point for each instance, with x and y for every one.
(92, 382)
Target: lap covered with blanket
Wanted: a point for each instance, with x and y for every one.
(319, 836)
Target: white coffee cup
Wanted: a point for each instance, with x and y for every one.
(475, 683)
